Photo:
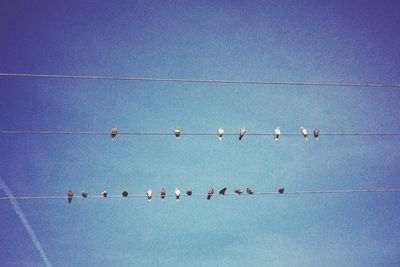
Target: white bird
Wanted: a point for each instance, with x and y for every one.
(149, 194)
(177, 193)
(114, 132)
(177, 133)
(220, 133)
(242, 132)
(304, 132)
(277, 133)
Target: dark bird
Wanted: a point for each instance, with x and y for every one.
(249, 191)
(70, 195)
(163, 193)
(281, 190)
(222, 191)
(238, 191)
(189, 192)
(316, 133)
(177, 133)
(210, 193)
(104, 193)
(84, 194)
(125, 194)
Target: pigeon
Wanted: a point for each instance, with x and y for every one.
(177, 193)
(84, 194)
(114, 132)
(70, 195)
(238, 191)
(277, 133)
(104, 193)
(242, 132)
(281, 190)
(125, 194)
(163, 193)
(149, 194)
(220, 133)
(249, 191)
(316, 133)
(222, 191)
(304, 132)
(189, 192)
(210, 193)
(177, 133)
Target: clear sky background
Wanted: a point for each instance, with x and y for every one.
(316, 41)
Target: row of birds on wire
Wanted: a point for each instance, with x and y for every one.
(242, 132)
(177, 193)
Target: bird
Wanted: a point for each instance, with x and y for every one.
(104, 193)
(70, 195)
(238, 191)
(114, 132)
(210, 193)
(249, 191)
(177, 193)
(149, 194)
(304, 132)
(84, 194)
(177, 133)
(222, 191)
(163, 193)
(316, 133)
(277, 133)
(242, 132)
(189, 192)
(281, 190)
(220, 133)
(125, 194)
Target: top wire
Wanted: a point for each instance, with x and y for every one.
(182, 80)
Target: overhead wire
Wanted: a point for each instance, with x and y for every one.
(311, 192)
(18, 132)
(209, 81)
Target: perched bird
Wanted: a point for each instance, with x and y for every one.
(70, 195)
(114, 132)
(220, 133)
(281, 190)
(149, 194)
(242, 132)
(177, 193)
(104, 193)
(163, 193)
(125, 194)
(177, 133)
(238, 191)
(277, 133)
(210, 193)
(249, 191)
(222, 191)
(304, 132)
(316, 133)
(189, 192)
(84, 194)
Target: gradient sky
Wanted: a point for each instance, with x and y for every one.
(334, 41)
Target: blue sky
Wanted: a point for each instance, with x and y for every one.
(334, 41)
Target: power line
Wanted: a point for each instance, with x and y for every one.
(312, 192)
(182, 80)
(17, 132)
